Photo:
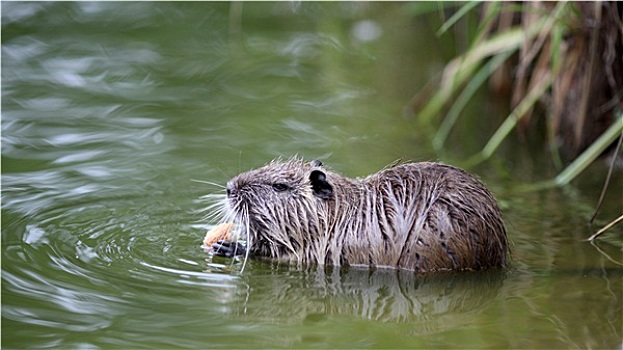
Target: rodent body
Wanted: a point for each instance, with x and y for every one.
(415, 216)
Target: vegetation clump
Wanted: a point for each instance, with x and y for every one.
(564, 57)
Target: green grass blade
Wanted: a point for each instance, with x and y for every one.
(581, 162)
(591, 153)
(511, 121)
(460, 13)
(461, 68)
(474, 83)
(528, 102)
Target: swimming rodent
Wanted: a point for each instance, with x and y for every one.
(415, 216)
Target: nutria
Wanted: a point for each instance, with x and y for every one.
(416, 216)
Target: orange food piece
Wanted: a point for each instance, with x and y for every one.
(219, 232)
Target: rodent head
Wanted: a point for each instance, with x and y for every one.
(280, 205)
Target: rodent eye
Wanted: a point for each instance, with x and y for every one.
(280, 187)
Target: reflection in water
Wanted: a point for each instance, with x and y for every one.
(431, 303)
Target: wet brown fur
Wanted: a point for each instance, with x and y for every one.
(415, 216)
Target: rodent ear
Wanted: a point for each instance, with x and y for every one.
(321, 187)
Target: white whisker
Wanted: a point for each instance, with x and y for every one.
(209, 183)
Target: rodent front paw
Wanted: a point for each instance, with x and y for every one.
(228, 249)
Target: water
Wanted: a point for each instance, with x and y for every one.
(114, 115)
